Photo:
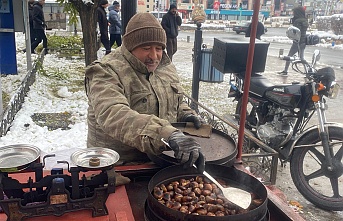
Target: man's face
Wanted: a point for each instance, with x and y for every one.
(150, 55)
(42, 2)
(173, 11)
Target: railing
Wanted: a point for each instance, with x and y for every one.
(18, 98)
(261, 162)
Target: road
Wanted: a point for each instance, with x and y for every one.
(329, 56)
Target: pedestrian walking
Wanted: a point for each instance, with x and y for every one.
(259, 32)
(30, 4)
(299, 20)
(103, 25)
(32, 33)
(39, 26)
(115, 24)
(170, 23)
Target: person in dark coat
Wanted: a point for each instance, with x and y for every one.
(115, 24)
(103, 25)
(170, 23)
(299, 20)
(30, 4)
(32, 33)
(39, 26)
(259, 31)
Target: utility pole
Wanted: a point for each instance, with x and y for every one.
(240, 11)
(158, 9)
(129, 8)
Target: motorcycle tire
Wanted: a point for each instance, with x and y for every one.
(309, 171)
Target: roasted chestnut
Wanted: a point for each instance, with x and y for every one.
(198, 196)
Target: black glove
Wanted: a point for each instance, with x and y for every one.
(200, 163)
(195, 119)
(186, 150)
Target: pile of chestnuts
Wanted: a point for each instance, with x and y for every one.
(199, 196)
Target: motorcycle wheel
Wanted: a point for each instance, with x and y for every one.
(309, 171)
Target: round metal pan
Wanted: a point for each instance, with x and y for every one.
(231, 175)
(107, 157)
(18, 157)
(219, 149)
(151, 215)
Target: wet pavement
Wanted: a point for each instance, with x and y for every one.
(214, 96)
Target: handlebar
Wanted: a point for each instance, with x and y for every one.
(308, 68)
(292, 58)
(287, 58)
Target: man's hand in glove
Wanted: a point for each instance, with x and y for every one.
(195, 119)
(186, 150)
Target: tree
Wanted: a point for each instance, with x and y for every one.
(87, 10)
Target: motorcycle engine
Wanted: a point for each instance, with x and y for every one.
(277, 132)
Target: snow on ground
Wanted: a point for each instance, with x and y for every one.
(41, 99)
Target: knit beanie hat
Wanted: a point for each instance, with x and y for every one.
(142, 29)
(115, 3)
(172, 6)
(103, 2)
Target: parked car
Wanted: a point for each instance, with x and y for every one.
(243, 26)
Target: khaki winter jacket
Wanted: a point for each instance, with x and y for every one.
(130, 108)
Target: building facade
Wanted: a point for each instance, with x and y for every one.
(221, 7)
(214, 9)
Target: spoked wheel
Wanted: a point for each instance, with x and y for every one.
(319, 184)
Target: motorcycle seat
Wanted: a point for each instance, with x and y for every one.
(259, 84)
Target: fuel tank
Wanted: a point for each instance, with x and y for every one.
(287, 95)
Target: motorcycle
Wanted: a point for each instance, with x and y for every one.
(279, 116)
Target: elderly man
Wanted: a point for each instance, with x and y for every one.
(134, 94)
